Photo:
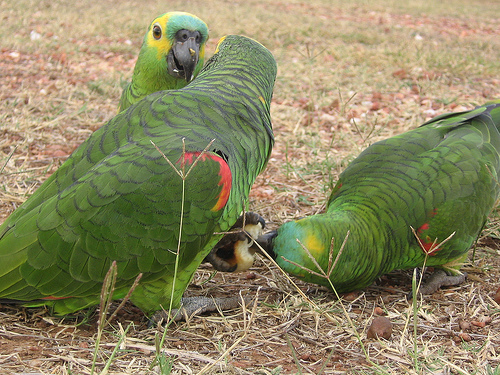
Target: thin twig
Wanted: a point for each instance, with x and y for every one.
(236, 343)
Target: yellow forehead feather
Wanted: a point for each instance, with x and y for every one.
(162, 45)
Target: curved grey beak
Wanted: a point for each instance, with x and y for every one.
(184, 55)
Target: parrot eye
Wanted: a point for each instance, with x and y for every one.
(157, 31)
(184, 37)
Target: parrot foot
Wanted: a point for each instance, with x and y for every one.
(234, 252)
(440, 278)
(191, 306)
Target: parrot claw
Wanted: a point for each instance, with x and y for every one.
(235, 251)
(438, 279)
(191, 306)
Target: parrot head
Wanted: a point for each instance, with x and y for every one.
(176, 41)
(294, 245)
(235, 252)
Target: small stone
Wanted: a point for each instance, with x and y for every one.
(464, 336)
(349, 297)
(33, 364)
(308, 357)
(463, 324)
(34, 35)
(375, 106)
(378, 311)
(380, 327)
(477, 323)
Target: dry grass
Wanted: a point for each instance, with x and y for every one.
(350, 73)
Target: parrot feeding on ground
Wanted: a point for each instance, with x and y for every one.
(117, 198)
(171, 55)
(440, 179)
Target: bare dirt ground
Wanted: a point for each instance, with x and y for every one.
(349, 75)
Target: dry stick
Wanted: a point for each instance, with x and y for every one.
(173, 352)
(245, 332)
(183, 175)
(433, 248)
(108, 287)
(294, 353)
(327, 360)
(238, 230)
(327, 275)
(126, 298)
(8, 158)
(307, 299)
(115, 349)
(416, 287)
(457, 368)
(344, 105)
(330, 267)
(107, 291)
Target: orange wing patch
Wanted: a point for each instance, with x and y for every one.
(428, 245)
(226, 178)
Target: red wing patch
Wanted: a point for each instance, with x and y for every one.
(226, 181)
(428, 245)
(226, 178)
(336, 189)
(423, 227)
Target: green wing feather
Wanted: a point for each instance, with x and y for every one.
(440, 179)
(168, 59)
(117, 198)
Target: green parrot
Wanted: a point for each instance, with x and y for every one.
(440, 179)
(166, 175)
(171, 55)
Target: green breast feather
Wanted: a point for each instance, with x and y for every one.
(117, 198)
(440, 179)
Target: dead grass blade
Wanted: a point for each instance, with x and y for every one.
(237, 342)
